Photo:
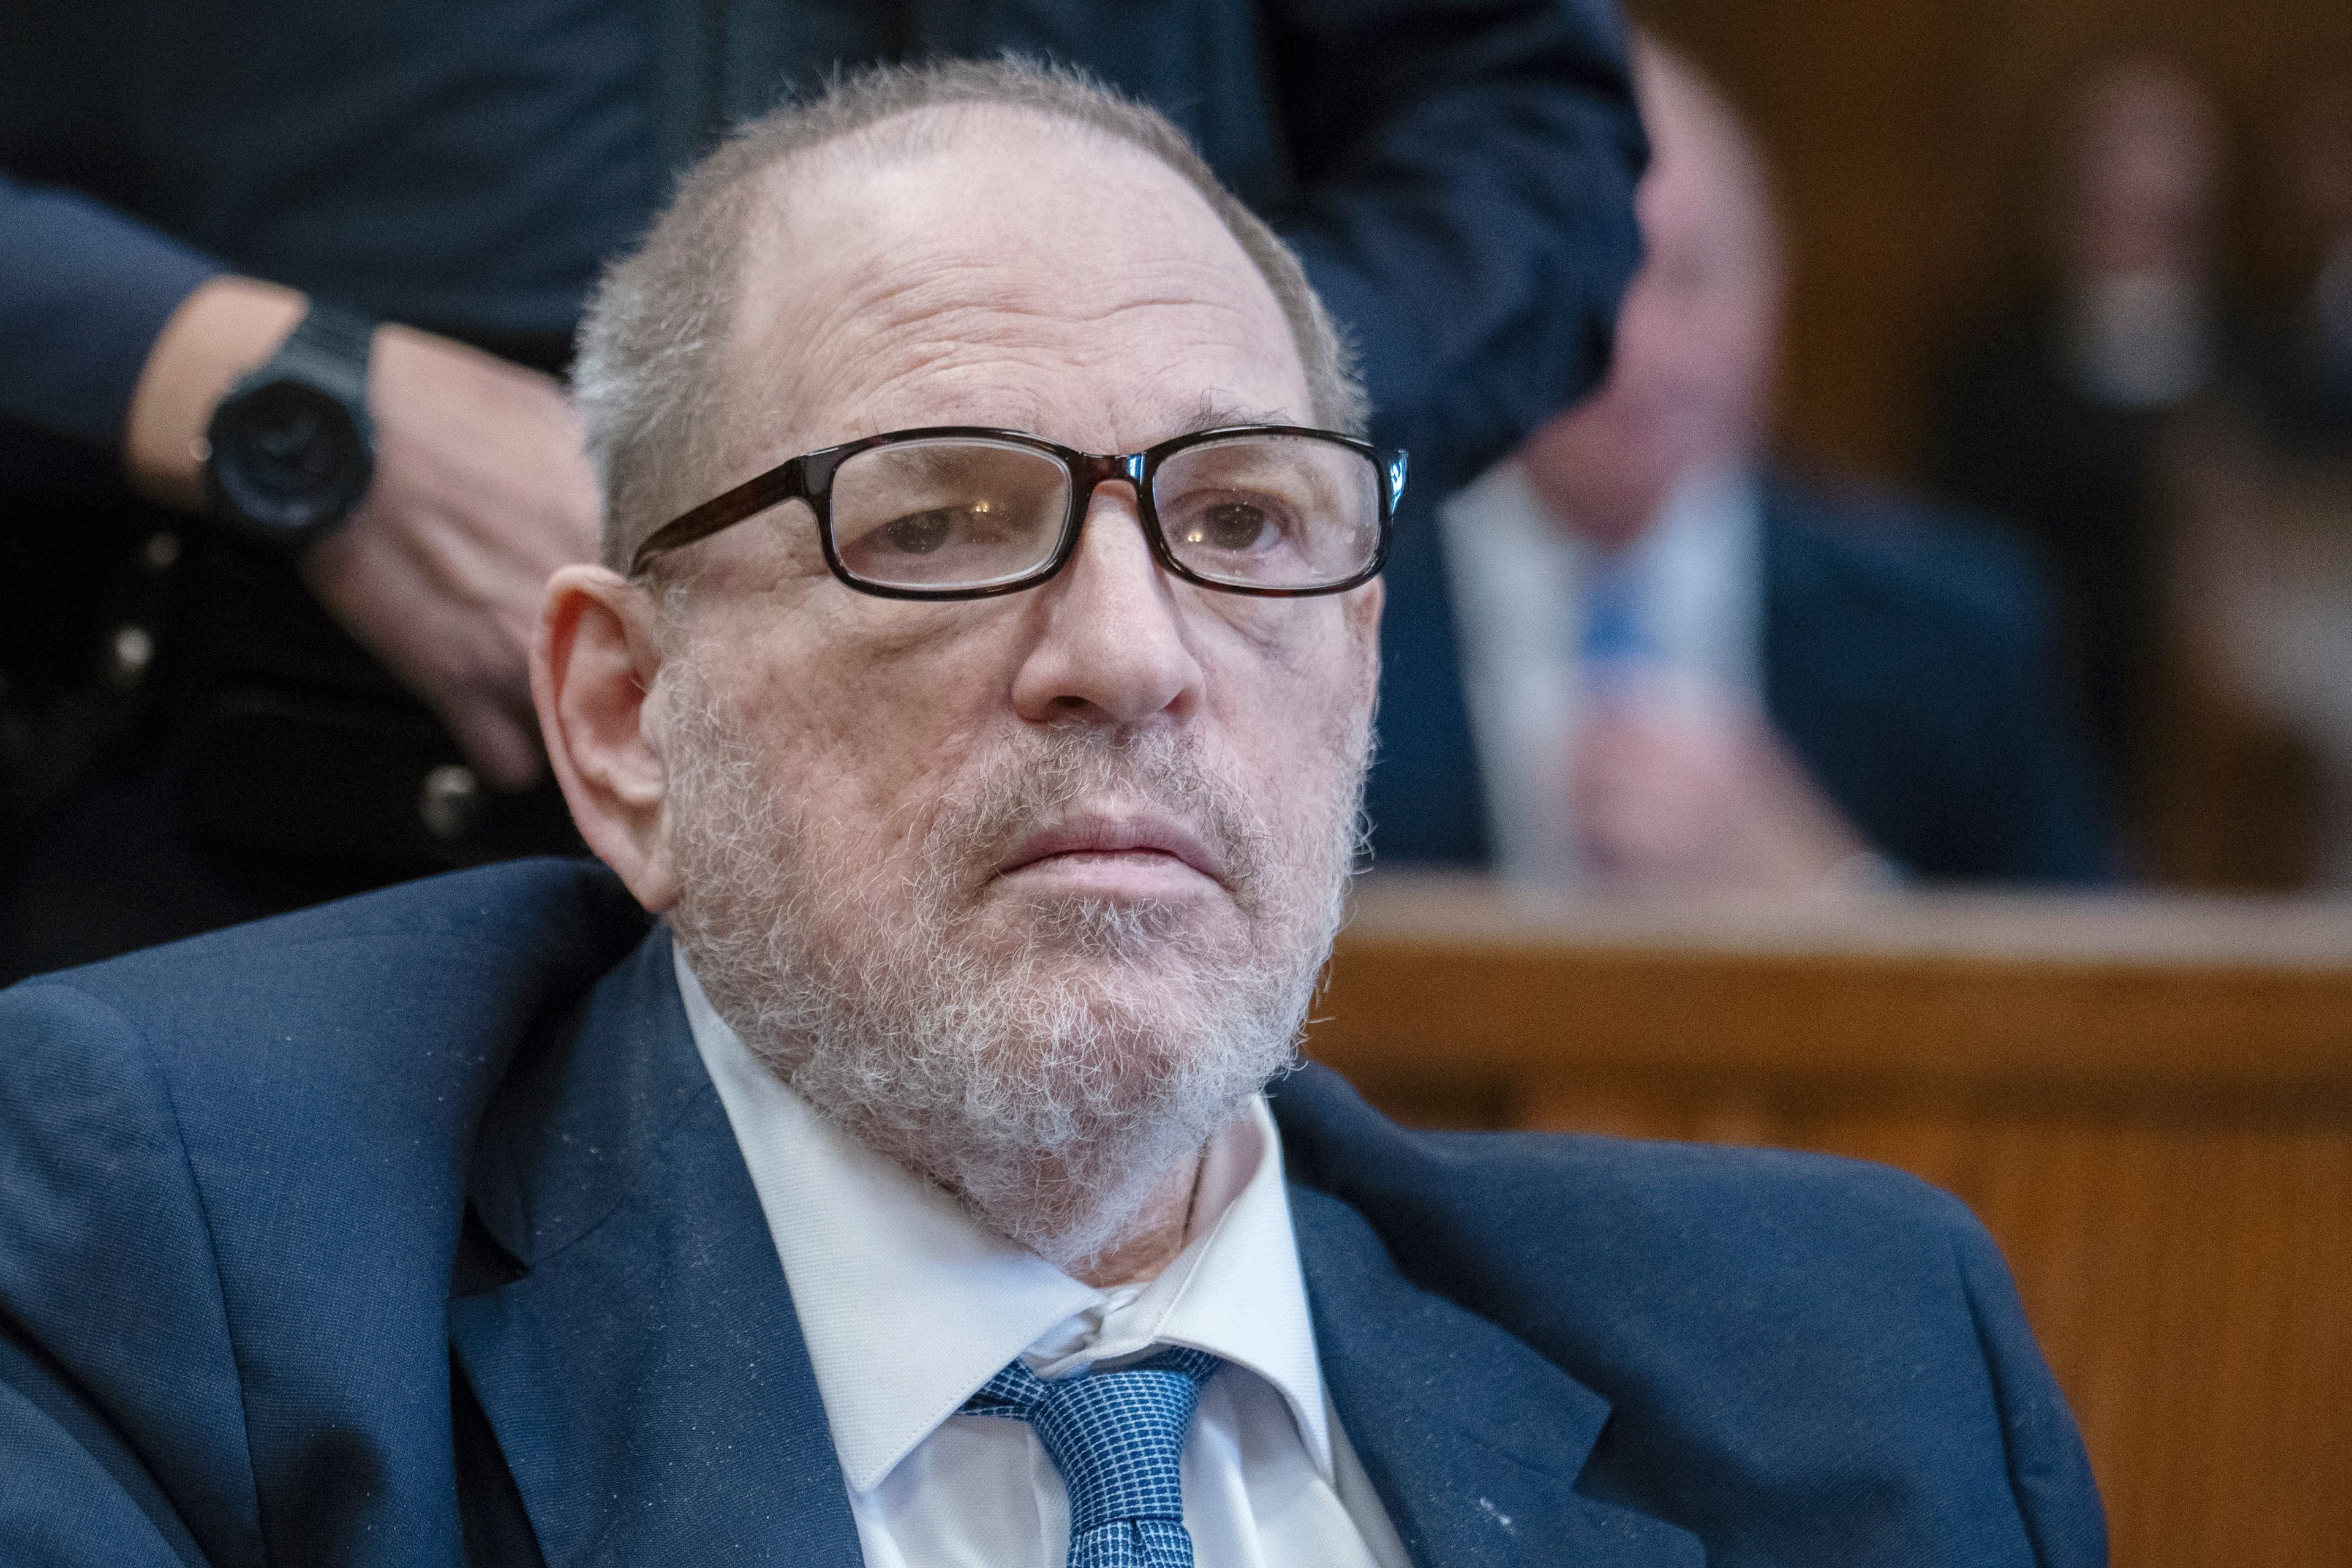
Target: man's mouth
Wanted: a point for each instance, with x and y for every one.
(1113, 853)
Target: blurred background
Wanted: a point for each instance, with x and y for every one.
(2055, 335)
(1958, 184)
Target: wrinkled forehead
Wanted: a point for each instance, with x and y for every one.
(1008, 270)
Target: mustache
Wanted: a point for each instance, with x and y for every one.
(1037, 776)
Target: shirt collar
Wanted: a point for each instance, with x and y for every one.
(909, 1305)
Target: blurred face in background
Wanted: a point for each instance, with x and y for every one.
(2141, 174)
(2319, 161)
(1697, 338)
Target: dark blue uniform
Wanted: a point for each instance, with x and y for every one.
(1457, 175)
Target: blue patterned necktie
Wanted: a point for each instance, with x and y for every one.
(1114, 1437)
(1615, 640)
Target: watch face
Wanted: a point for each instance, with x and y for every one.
(287, 456)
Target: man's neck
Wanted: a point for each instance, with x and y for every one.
(1161, 1232)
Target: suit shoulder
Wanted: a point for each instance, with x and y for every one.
(377, 957)
(109, 1273)
(373, 1020)
(1628, 1189)
(1924, 558)
(1754, 1320)
(1683, 1268)
(1534, 1201)
(497, 903)
(1627, 1262)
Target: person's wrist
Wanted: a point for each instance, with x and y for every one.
(228, 326)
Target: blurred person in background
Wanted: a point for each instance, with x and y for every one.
(310, 274)
(1675, 668)
(2258, 787)
(2313, 366)
(2053, 411)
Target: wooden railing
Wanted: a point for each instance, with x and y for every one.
(2149, 1102)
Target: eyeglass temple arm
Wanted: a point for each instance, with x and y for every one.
(725, 510)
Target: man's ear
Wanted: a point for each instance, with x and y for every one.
(592, 669)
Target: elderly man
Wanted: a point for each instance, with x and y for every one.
(1673, 668)
(997, 795)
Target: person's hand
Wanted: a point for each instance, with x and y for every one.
(481, 490)
(1691, 794)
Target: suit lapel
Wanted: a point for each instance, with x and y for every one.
(1472, 1439)
(1792, 627)
(644, 1371)
(1834, 677)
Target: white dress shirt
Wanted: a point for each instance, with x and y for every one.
(908, 1306)
(1520, 581)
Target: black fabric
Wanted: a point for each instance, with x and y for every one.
(1457, 175)
(1909, 660)
(2013, 437)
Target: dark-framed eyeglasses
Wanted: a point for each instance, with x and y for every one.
(961, 512)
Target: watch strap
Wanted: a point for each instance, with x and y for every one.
(327, 353)
(329, 347)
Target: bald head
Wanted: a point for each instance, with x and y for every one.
(882, 285)
(683, 332)
(1697, 336)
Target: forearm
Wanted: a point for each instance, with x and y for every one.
(1466, 211)
(227, 327)
(84, 293)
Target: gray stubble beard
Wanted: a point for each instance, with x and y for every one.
(1052, 1091)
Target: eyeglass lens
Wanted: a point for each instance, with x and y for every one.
(960, 512)
(1270, 512)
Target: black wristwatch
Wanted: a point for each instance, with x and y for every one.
(290, 449)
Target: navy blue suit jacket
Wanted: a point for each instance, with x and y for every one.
(410, 1230)
(1907, 660)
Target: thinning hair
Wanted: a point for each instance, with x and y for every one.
(649, 371)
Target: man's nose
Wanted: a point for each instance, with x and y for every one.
(1110, 632)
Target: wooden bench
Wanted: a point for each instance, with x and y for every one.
(2148, 1100)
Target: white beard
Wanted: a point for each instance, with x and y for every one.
(1053, 1090)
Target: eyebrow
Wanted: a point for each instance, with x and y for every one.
(1210, 415)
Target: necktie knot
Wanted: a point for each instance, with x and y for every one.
(1116, 1437)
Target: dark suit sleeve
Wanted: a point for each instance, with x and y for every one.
(2048, 1470)
(1465, 206)
(84, 289)
(121, 1418)
(2062, 833)
(1909, 658)
(61, 1506)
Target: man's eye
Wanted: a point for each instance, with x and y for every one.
(920, 533)
(1230, 525)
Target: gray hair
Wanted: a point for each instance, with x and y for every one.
(651, 342)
